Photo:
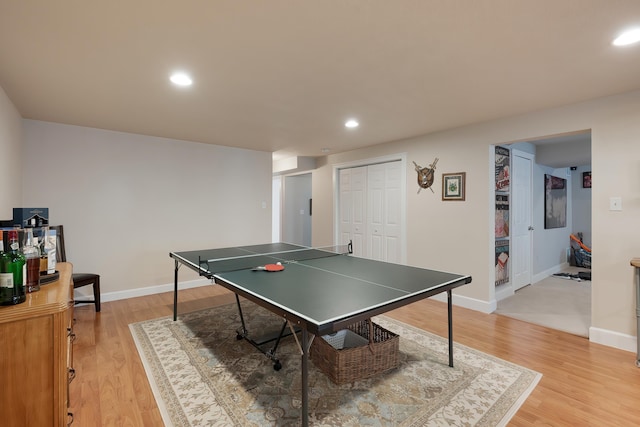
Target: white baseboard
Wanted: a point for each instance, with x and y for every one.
(549, 272)
(470, 303)
(503, 291)
(150, 290)
(596, 335)
(613, 339)
(462, 301)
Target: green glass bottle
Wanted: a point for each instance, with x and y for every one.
(12, 272)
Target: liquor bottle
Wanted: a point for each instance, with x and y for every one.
(12, 272)
(32, 259)
(4, 291)
(49, 250)
(44, 258)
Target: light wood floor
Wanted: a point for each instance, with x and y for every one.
(583, 384)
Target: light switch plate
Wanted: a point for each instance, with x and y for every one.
(615, 203)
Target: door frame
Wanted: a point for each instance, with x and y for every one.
(402, 158)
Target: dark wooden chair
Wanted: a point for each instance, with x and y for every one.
(79, 279)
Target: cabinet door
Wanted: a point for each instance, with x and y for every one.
(27, 372)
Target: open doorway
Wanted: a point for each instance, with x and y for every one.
(558, 302)
(297, 208)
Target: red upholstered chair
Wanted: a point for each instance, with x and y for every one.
(79, 279)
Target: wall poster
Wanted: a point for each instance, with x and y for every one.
(503, 181)
(502, 215)
(503, 172)
(555, 202)
(502, 262)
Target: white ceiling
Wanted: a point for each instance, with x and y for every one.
(562, 151)
(284, 75)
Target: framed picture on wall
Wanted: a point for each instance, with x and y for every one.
(555, 202)
(586, 179)
(453, 186)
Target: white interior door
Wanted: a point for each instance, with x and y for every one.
(394, 189)
(521, 225)
(371, 210)
(384, 199)
(353, 182)
(375, 212)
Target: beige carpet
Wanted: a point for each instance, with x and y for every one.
(202, 376)
(554, 302)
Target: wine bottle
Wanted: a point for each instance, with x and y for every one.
(12, 269)
(50, 250)
(44, 258)
(4, 290)
(32, 259)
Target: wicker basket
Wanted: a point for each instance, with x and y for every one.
(347, 363)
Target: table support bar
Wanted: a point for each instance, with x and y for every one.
(450, 310)
(637, 279)
(305, 378)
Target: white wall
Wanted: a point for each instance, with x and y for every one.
(448, 236)
(550, 245)
(128, 200)
(457, 236)
(276, 192)
(10, 157)
(581, 202)
(557, 154)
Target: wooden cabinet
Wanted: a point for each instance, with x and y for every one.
(36, 356)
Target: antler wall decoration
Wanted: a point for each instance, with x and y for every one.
(426, 175)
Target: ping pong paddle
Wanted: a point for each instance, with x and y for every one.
(270, 267)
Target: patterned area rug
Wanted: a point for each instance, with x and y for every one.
(202, 375)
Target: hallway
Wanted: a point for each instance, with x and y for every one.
(555, 302)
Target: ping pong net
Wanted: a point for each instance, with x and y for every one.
(251, 260)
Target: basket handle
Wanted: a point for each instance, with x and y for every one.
(370, 335)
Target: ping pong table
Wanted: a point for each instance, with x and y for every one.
(319, 291)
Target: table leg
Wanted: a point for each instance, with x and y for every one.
(175, 292)
(450, 315)
(637, 274)
(305, 378)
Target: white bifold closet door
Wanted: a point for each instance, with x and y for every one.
(370, 210)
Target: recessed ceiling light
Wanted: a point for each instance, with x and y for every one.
(325, 150)
(181, 79)
(352, 123)
(628, 37)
